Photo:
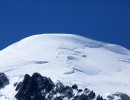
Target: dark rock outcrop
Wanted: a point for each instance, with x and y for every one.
(75, 87)
(34, 88)
(37, 87)
(91, 95)
(99, 97)
(3, 80)
(121, 96)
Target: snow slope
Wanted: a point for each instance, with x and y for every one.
(99, 66)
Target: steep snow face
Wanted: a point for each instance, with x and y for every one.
(70, 58)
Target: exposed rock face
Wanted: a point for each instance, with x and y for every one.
(3, 80)
(75, 87)
(118, 96)
(37, 87)
(34, 88)
(99, 97)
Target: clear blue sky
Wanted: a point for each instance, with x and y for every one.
(107, 21)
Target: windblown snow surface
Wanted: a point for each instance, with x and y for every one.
(72, 59)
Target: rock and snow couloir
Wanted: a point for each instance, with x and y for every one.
(72, 59)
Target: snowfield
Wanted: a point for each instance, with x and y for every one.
(72, 59)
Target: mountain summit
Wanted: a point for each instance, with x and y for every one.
(72, 59)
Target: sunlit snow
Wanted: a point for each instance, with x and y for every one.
(72, 59)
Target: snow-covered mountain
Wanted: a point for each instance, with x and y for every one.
(72, 59)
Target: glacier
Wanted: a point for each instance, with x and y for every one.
(70, 58)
